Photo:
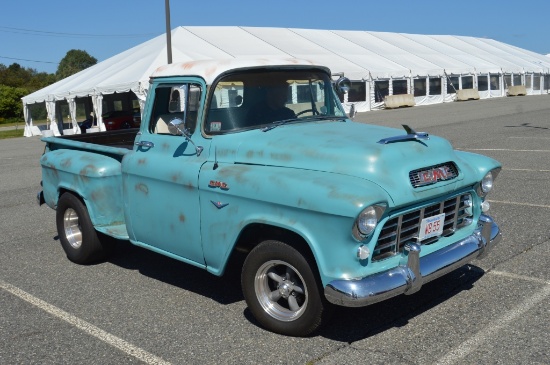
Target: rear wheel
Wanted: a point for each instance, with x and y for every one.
(281, 289)
(78, 237)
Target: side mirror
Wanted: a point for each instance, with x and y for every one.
(343, 85)
(176, 127)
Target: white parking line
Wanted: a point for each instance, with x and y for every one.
(528, 170)
(519, 277)
(500, 149)
(516, 203)
(89, 328)
(530, 137)
(458, 353)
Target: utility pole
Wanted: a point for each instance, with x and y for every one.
(168, 31)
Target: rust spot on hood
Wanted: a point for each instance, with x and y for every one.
(86, 169)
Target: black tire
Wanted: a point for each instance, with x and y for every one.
(79, 239)
(282, 291)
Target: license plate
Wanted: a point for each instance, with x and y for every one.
(431, 227)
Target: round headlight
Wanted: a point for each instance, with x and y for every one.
(487, 183)
(367, 220)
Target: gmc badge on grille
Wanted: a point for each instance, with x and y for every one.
(434, 175)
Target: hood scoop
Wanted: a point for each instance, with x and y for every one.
(411, 135)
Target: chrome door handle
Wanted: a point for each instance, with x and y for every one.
(145, 144)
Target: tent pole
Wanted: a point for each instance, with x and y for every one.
(168, 31)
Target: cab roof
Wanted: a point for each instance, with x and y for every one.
(209, 70)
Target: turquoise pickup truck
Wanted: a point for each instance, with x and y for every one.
(259, 157)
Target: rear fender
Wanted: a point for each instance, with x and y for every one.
(94, 177)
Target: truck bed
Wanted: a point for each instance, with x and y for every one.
(113, 143)
(121, 138)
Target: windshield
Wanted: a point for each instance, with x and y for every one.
(259, 98)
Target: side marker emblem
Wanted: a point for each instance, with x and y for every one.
(219, 205)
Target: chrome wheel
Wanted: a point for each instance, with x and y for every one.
(71, 227)
(281, 290)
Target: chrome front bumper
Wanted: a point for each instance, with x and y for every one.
(414, 271)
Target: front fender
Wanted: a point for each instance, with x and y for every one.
(318, 206)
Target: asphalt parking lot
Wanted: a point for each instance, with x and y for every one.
(140, 307)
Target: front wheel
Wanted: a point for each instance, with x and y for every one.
(78, 237)
(281, 289)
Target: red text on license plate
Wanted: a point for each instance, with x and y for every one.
(431, 227)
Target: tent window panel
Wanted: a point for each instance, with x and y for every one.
(528, 81)
(536, 82)
(400, 87)
(452, 85)
(435, 86)
(117, 105)
(420, 87)
(38, 113)
(304, 94)
(357, 92)
(482, 84)
(381, 90)
(517, 80)
(467, 82)
(64, 110)
(228, 94)
(507, 81)
(547, 82)
(81, 111)
(495, 82)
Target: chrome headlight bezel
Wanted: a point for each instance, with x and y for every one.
(486, 185)
(367, 220)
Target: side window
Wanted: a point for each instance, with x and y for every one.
(226, 110)
(175, 101)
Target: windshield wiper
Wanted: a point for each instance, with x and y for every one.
(308, 118)
(278, 123)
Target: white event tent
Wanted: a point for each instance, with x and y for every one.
(431, 68)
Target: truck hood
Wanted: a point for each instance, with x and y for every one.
(345, 148)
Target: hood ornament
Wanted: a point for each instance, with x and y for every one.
(411, 135)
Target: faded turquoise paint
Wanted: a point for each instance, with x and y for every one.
(350, 149)
(318, 206)
(161, 193)
(312, 178)
(94, 177)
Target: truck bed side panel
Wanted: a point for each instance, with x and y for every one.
(94, 177)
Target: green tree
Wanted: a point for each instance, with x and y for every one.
(10, 101)
(16, 76)
(16, 82)
(74, 61)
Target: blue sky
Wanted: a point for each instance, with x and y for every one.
(44, 31)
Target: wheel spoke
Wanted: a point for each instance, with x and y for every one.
(273, 276)
(298, 289)
(293, 304)
(275, 295)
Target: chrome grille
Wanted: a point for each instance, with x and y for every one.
(402, 229)
(449, 169)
